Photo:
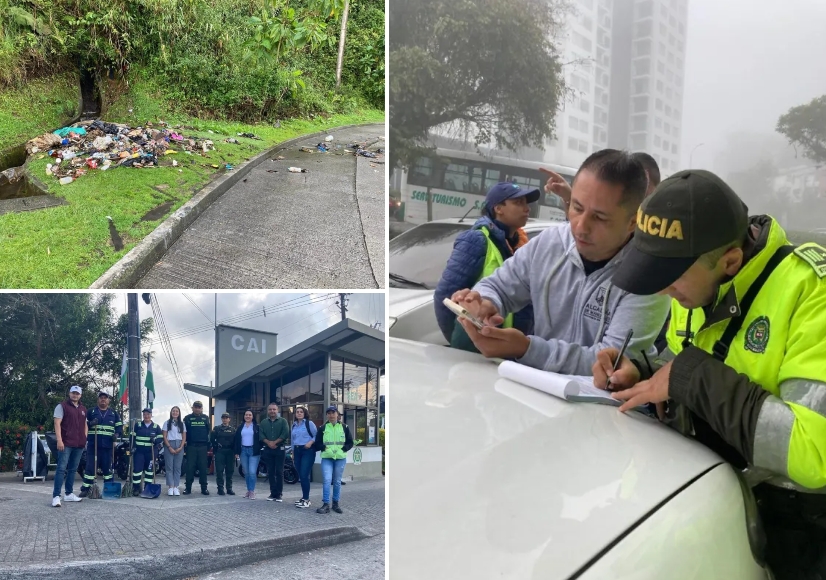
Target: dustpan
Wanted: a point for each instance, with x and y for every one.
(152, 490)
(112, 489)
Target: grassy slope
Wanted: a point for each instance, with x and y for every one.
(69, 246)
(38, 107)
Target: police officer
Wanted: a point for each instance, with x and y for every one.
(223, 452)
(197, 444)
(148, 435)
(744, 371)
(105, 424)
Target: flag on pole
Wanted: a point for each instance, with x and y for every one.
(150, 384)
(122, 386)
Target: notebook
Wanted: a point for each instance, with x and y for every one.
(568, 387)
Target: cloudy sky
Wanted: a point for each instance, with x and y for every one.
(298, 317)
(747, 63)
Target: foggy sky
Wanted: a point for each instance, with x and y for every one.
(195, 353)
(747, 63)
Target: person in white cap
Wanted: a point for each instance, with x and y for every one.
(71, 430)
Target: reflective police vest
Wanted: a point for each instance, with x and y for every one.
(109, 423)
(145, 437)
(334, 439)
(782, 339)
(493, 260)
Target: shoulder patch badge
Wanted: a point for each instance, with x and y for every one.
(757, 335)
(814, 255)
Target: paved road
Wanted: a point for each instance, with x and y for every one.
(361, 560)
(157, 538)
(322, 229)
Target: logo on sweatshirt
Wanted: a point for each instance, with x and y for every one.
(757, 335)
(595, 304)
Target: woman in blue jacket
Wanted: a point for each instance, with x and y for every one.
(248, 450)
(479, 251)
(302, 438)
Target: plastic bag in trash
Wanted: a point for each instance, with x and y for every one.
(11, 176)
(64, 132)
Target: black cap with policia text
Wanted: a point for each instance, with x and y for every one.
(689, 214)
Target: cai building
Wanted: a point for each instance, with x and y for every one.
(342, 366)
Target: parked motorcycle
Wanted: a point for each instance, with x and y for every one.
(290, 472)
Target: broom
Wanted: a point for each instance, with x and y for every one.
(94, 493)
(126, 490)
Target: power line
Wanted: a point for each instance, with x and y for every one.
(198, 307)
(166, 345)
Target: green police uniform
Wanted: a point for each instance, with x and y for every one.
(223, 450)
(197, 444)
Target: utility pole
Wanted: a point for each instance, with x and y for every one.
(133, 380)
(342, 304)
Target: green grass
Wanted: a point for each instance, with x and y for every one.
(69, 246)
(39, 106)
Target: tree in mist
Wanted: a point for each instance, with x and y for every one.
(805, 127)
(489, 65)
(52, 341)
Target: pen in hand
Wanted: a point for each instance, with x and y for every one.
(619, 356)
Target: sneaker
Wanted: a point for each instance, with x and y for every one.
(56, 501)
(324, 509)
(271, 497)
(187, 491)
(84, 492)
(230, 492)
(336, 508)
(252, 495)
(171, 491)
(247, 495)
(304, 503)
(176, 491)
(298, 501)
(205, 491)
(72, 497)
(279, 499)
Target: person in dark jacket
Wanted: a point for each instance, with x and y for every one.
(197, 444)
(223, 451)
(479, 251)
(71, 429)
(248, 451)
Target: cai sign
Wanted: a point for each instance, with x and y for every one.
(239, 350)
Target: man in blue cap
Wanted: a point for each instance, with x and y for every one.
(478, 252)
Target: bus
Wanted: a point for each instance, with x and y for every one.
(453, 183)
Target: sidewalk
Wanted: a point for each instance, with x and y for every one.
(275, 229)
(171, 537)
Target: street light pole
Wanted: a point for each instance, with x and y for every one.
(691, 155)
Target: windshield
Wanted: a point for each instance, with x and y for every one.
(418, 256)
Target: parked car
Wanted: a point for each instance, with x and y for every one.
(417, 259)
(493, 479)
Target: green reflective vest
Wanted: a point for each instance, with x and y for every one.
(493, 260)
(334, 439)
(781, 340)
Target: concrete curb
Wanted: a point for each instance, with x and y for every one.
(127, 271)
(189, 563)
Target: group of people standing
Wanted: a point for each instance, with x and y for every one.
(251, 442)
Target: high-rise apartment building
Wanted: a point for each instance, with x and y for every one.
(624, 64)
(647, 84)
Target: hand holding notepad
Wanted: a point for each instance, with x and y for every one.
(568, 387)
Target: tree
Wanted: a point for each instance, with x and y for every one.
(489, 65)
(805, 127)
(52, 341)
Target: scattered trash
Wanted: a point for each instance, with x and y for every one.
(231, 140)
(297, 170)
(215, 166)
(228, 167)
(174, 163)
(97, 145)
(272, 171)
(322, 147)
(279, 158)
(306, 149)
(250, 136)
(328, 138)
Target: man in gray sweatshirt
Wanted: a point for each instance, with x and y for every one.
(566, 272)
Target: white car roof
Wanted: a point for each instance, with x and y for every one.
(491, 479)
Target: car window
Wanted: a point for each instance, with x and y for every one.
(420, 255)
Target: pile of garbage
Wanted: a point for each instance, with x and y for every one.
(96, 145)
(356, 149)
